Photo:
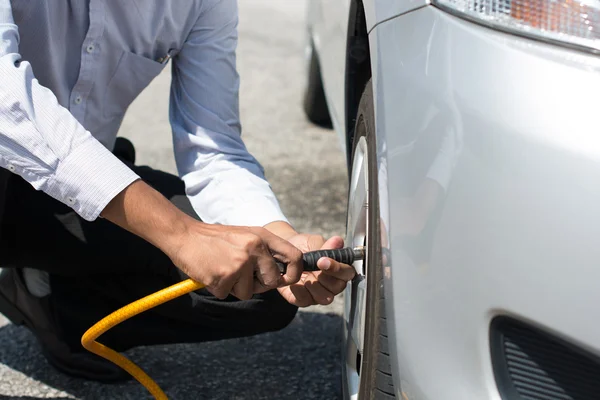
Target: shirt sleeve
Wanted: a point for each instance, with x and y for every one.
(43, 143)
(225, 184)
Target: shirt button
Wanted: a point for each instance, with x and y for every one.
(90, 48)
(70, 201)
(78, 100)
(11, 168)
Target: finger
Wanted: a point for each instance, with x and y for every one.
(315, 242)
(220, 287)
(334, 285)
(217, 292)
(317, 291)
(299, 296)
(242, 292)
(336, 269)
(285, 252)
(244, 287)
(334, 242)
(259, 286)
(266, 275)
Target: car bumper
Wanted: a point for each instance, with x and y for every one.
(489, 158)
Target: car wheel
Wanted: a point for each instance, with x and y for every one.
(315, 104)
(367, 371)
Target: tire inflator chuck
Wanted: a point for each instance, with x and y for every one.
(346, 255)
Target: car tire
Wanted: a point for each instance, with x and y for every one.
(315, 104)
(376, 380)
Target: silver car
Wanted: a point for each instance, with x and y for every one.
(473, 146)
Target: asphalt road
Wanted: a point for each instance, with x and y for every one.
(306, 168)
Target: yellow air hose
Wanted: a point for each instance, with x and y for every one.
(89, 342)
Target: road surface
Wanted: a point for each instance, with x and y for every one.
(306, 169)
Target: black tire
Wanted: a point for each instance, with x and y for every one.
(375, 372)
(315, 104)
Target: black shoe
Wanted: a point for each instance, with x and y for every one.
(22, 308)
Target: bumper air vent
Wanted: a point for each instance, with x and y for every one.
(530, 364)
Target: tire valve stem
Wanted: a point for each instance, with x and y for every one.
(359, 253)
(347, 255)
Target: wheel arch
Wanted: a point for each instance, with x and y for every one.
(358, 66)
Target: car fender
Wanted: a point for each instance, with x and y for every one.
(378, 11)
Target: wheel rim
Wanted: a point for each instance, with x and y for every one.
(356, 290)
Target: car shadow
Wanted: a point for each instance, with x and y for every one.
(301, 361)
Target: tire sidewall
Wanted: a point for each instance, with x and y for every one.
(365, 127)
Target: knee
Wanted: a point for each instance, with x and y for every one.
(285, 316)
(280, 313)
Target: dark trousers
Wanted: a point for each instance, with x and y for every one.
(97, 267)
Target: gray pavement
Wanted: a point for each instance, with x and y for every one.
(306, 168)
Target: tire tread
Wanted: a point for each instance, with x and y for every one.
(385, 382)
(381, 395)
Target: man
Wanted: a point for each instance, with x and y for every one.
(100, 232)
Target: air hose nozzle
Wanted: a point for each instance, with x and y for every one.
(347, 255)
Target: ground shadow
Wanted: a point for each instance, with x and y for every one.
(299, 362)
(30, 398)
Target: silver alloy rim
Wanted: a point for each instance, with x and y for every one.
(356, 291)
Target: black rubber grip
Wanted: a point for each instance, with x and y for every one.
(345, 256)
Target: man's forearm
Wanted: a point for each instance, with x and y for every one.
(145, 212)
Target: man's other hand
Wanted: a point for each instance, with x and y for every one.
(319, 287)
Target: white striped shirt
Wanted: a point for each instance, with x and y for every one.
(69, 69)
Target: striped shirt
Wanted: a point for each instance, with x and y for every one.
(69, 69)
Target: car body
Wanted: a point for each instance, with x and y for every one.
(502, 262)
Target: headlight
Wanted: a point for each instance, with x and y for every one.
(572, 22)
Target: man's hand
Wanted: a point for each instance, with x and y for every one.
(227, 259)
(318, 287)
(236, 260)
